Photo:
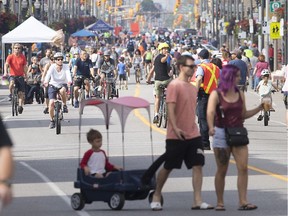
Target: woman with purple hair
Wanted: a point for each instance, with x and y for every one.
(233, 113)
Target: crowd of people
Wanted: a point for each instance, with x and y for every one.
(196, 81)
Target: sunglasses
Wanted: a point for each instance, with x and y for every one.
(190, 66)
(59, 59)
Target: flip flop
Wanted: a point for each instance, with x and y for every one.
(247, 207)
(203, 206)
(220, 208)
(156, 206)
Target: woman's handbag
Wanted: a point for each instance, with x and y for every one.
(235, 136)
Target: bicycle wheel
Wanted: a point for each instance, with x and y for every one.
(165, 115)
(57, 117)
(108, 91)
(72, 95)
(160, 115)
(266, 118)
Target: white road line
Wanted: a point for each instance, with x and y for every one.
(54, 187)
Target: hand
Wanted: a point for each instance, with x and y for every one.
(211, 132)
(180, 134)
(86, 170)
(45, 84)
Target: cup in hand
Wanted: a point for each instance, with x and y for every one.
(267, 103)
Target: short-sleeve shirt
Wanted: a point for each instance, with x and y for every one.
(184, 95)
(83, 67)
(5, 139)
(161, 69)
(16, 64)
(121, 68)
(242, 67)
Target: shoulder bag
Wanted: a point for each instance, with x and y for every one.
(235, 136)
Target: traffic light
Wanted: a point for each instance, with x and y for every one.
(137, 7)
(99, 3)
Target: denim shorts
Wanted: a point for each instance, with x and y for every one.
(219, 140)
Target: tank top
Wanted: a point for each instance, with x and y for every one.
(232, 113)
(148, 56)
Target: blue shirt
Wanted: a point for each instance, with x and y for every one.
(121, 68)
(200, 70)
(243, 69)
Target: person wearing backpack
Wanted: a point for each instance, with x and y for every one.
(130, 46)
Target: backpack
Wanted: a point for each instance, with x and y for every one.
(130, 46)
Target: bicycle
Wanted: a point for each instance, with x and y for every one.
(15, 98)
(58, 113)
(109, 89)
(266, 112)
(137, 73)
(163, 113)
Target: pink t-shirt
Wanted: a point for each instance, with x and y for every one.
(184, 95)
(259, 67)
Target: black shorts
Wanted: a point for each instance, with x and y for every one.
(122, 77)
(19, 82)
(189, 151)
(80, 81)
(148, 61)
(46, 92)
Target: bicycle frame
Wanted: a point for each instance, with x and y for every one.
(15, 99)
(163, 113)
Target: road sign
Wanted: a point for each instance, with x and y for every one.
(265, 29)
(274, 6)
(275, 30)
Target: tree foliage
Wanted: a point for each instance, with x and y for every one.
(8, 21)
(148, 5)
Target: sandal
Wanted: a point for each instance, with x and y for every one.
(247, 207)
(220, 208)
(203, 206)
(156, 206)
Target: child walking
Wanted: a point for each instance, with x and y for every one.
(121, 68)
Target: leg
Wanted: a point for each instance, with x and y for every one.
(161, 179)
(62, 92)
(241, 157)
(202, 118)
(197, 178)
(76, 93)
(222, 156)
(51, 109)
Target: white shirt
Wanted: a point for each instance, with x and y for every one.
(96, 163)
(58, 78)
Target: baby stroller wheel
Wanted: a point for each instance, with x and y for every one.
(77, 201)
(116, 201)
(150, 197)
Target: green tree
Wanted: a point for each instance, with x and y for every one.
(8, 21)
(149, 6)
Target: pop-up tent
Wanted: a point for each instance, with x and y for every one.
(100, 25)
(30, 31)
(83, 33)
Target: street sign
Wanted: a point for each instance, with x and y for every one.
(274, 6)
(275, 30)
(265, 27)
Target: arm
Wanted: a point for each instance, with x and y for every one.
(47, 76)
(198, 81)
(249, 113)
(211, 111)
(172, 118)
(6, 65)
(84, 162)
(164, 59)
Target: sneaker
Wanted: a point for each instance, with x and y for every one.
(76, 104)
(156, 119)
(46, 110)
(52, 124)
(65, 109)
(9, 97)
(260, 117)
(20, 109)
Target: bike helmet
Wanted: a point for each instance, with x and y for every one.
(163, 45)
(107, 53)
(58, 55)
(265, 72)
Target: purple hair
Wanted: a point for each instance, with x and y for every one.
(227, 78)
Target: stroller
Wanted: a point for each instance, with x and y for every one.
(118, 186)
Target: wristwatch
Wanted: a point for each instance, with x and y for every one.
(6, 182)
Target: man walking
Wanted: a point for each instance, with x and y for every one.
(183, 141)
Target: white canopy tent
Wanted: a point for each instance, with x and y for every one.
(30, 31)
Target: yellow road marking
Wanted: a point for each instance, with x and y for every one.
(146, 122)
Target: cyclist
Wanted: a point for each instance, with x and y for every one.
(82, 71)
(264, 89)
(106, 68)
(137, 61)
(147, 56)
(33, 82)
(18, 66)
(127, 60)
(161, 69)
(58, 76)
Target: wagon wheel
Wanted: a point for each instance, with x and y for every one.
(117, 201)
(77, 201)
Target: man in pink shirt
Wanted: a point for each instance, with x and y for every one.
(183, 140)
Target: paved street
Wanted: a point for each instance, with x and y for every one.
(46, 163)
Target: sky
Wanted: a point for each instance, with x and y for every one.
(165, 4)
